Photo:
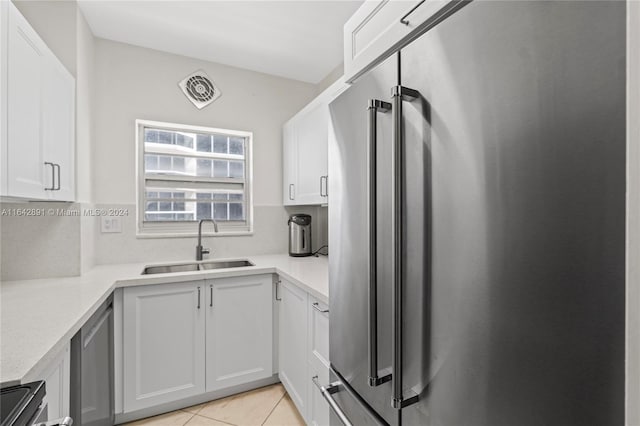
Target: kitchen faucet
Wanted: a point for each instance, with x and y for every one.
(199, 249)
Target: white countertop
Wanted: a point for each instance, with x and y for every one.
(38, 317)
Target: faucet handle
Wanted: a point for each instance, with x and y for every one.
(205, 250)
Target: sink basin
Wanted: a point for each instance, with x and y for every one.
(204, 266)
(168, 269)
(199, 266)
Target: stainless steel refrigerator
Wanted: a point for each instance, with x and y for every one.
(477, 223)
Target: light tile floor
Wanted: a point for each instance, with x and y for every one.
(269, 406)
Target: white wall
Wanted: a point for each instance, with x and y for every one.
(85, 72)
(40, 246)
(84, 107)
(633, 214)
(138, 83)
(331, 78)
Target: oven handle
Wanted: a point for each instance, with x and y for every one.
(65, 421)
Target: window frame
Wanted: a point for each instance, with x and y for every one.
(149, 229)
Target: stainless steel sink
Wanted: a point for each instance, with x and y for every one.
(204, 266)
(196, 266)
(168, 269)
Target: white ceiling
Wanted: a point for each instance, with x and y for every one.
(301, 40)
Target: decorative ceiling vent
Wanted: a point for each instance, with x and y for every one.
(199, 89)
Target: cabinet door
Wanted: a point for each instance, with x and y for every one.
(318, 333)
(239, 330)
(379, 27)
(58, 116)
(164, 343)
(25, 69)
(318, 353)
(293, 343)
(58, 382)
(289, 164)
(318, 412)
(311, 129)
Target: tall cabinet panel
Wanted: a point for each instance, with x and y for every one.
(239, 330)
(164, 343)
(25, 68)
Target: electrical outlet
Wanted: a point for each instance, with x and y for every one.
(110, 224)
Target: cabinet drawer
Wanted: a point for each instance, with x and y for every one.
(318, 334)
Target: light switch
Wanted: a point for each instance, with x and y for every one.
(110, 224)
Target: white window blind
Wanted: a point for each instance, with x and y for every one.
(189, 173)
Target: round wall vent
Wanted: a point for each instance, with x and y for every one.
(199, 89)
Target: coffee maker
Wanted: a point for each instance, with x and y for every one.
(299, 235)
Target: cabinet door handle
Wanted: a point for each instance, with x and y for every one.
(324, 189)
(53, 176)
(277, 287)
(316, 306)
(292, 192)
(211, 296)
(404, 19)
(198, 297)
(58, 167)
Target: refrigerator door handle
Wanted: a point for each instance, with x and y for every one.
(375, 106)
(399, 94)
(326, 392)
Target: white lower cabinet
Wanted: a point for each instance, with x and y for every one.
(293, 343)
(318, 413)
(239, 330)
(184, 339)
(318, 355)
(164, 343)
(304, 351)
(58, 385)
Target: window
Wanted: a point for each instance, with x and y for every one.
(188, 173)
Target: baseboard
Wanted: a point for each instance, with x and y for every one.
(194, 400)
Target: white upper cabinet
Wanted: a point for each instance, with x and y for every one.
(289, 164)
(38, 137)
(311, 129)
(305, 136)
(58, 129)
(380, 27)
(239, 330)
(26, 59)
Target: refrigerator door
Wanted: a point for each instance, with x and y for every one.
(514, 229)
(349, 237)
